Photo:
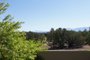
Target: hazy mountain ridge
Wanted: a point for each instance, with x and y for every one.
(81, 28)
(75, 29)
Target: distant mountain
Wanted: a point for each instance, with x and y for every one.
(75, 29)
(81, 28)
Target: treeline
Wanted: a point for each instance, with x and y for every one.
(62, 38)
(35, 36)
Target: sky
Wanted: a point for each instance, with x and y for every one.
(42, 15)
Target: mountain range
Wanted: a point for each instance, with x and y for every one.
(81, 29)
(75, 29)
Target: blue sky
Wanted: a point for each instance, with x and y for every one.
(42, 15)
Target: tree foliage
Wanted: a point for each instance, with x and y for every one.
(63, 38)
(13, 43)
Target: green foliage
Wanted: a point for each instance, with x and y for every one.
(88, 38)
(63, 38)
(13, 44)
(35, 36)
(3, 7)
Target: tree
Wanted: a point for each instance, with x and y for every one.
(13, 43)
(63, 38)
(88, 38)
(50, 36)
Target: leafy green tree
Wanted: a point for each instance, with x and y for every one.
(13, 43)
(74, 39)
(63, 38)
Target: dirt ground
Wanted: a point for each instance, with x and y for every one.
(84, 48)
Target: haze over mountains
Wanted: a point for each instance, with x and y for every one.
(75, 29)
(81, 28)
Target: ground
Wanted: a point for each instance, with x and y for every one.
(84, 48)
